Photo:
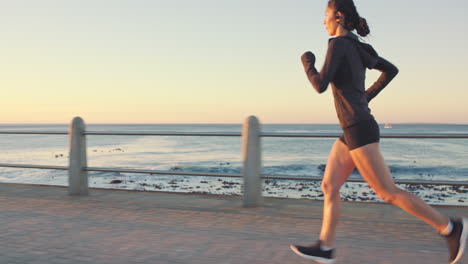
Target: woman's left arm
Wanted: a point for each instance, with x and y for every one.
(389, 71)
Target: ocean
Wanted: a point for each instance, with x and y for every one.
(425, 159)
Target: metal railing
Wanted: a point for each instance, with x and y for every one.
(251, 153)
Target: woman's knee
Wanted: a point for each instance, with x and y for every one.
(330, 189)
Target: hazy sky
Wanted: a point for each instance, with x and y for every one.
(217, 61)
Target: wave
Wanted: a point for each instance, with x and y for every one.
(297, 170)
(398, 171)
(223, 168)
(431, 171)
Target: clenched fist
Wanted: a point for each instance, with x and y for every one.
(308, 58)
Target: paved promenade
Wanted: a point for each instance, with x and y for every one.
(42, 224)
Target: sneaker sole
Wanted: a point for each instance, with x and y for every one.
(463, 238)
(318, 259)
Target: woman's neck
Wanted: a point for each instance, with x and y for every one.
(341, 31)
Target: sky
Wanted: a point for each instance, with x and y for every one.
(218, 61)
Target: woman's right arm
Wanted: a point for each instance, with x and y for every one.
(389, 71)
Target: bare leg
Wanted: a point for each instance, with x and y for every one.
(373, 169)
(339, 167)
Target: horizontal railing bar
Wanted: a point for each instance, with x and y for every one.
(429, 182)
(301, 135)
(360, 180)
(34, 132)
(389, 135)
(28, 166)
(236, 134)
(183, 173)
(434, 136)
(191, 134)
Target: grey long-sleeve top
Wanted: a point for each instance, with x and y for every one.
(345, 66)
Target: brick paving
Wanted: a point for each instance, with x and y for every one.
(43, 225)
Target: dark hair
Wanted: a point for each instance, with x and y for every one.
(352, 18)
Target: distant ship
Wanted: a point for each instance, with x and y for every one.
(388, 125)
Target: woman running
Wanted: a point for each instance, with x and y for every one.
(345, 65)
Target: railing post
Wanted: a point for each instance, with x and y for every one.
(251, 154)
(77, 175)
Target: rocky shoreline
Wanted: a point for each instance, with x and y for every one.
(359, 192)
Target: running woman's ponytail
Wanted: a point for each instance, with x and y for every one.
(352, 19)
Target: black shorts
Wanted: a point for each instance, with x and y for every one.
(361, 134)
